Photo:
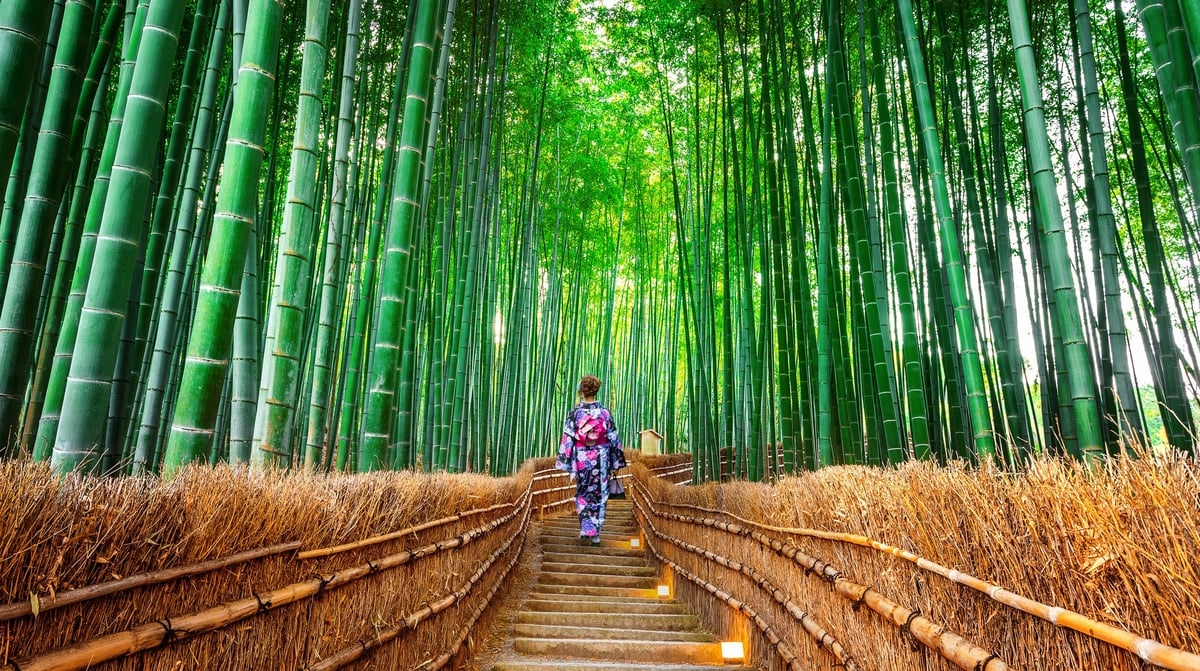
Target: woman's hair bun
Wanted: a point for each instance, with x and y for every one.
(589, 385)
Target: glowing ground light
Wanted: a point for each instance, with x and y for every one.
(635, 543)
(731, 650)
(664, 590)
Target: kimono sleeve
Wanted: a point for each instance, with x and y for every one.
(566, 447)
(615, 448)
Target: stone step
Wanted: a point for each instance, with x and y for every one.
(590, 580)
(528, 630)
(611, 530)
(573, 521)
(572, 538)
(611, 606)
(580, 547)
(564, 592)
(598, 569)
(529, 664)
(648, 651)
(606, 541)
(609, 520)
(617, 620)
(594, 590)
(582, 558)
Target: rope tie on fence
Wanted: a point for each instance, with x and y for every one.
(263, 606)
(168, 630)
(949, 645)
(832, 578)
(325, 580)
(906, 630)
(858, 603)
(983, 663)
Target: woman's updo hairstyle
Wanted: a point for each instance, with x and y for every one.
(589, 385)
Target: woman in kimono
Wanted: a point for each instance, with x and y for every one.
(591, 452)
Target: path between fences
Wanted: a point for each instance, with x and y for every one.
(670, 581)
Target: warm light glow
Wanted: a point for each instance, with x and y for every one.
(635, 543)
(732, 650)
(664, 590)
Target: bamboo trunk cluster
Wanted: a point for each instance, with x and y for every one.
(394, 237)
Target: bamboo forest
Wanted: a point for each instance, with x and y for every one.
(786, 234)
(875, 325)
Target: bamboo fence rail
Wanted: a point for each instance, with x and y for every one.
(164, 629)
(465, 631)
(169, 630)
(1148, 650)
(412, 620)
(47, 602)
(152, 619)
(432, 524)
(954, 648)
(10, 611)
(790, 659)
(823, 638)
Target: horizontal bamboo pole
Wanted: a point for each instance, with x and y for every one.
(393, 535)
(790, 659)
(10, 611)
(678, 470)
(557, 489)
(412, 620)
(956, 649)
(445, 658)
(822, 637)
(153, 634)
(1148, 650)
(563, 502)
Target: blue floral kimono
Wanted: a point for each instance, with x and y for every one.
(591, 467)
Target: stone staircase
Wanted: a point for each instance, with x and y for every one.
(597, 607)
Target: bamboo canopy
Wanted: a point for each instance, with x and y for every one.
(891, 249)
(357, 236)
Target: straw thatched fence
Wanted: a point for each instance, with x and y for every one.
(942, 568)
(849, 568)
(220, 568)
(237, 569)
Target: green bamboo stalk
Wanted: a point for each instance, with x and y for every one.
(382, 387)
(23, 25)
(50, 170)
(280, 385)
(1078, 362)
(209, 346)
(338, 218)
(982, 437)
(105, 304)
(825, 322)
